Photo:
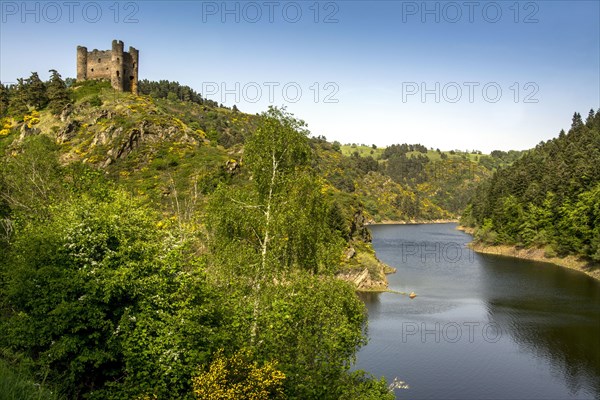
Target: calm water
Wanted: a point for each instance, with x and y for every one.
(482, 326)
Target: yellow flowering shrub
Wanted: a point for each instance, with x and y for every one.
(6, 125)
(239, 378)
(201, 133)
(32, 119)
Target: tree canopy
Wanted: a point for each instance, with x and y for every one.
(549, 197)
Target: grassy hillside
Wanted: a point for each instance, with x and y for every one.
(411, 183)
(377, 152)
(163, 148)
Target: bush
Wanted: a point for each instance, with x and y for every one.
(549, 252)
(107, 302)
(239, 378)
(88, 88)
(95, 101)
(486, 233)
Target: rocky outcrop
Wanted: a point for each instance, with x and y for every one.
(104, 114)
(66, 112)
(358, 227)
(68, 132)
(105, 137)
(362, 280)
(128, 142)
(363, 269)
(27, 131)
(232, 166)
(131, 142)
(349, 253)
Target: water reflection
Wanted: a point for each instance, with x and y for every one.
(549, 345)
(551, 312)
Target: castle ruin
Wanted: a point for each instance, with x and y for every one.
(120, 67)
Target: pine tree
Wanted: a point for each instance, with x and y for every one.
(577, 121)
(36, 92)
(549, 196)
(18, 99)
(57, 93)
(3, 100)
(590, 119)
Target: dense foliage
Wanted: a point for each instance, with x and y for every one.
(273, 236)
(405, 182)
(113, 286)
(173, 91)
(33, 92)
(549, 198)
(157, 245)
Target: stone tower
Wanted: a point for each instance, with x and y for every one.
(120, 67)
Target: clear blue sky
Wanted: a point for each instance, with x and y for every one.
(400, 71)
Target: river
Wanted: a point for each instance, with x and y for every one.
(481, 326)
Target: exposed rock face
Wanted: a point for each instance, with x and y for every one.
(363, 269)
(104, 114)
(131, 142)
(27, 131)
(363, 281)
(66, 112)
(68, 132)
(232, 166)
(349, 253)
(144, 132)
(104, 137)
(358, 228)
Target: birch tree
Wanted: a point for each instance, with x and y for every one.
(264, 231)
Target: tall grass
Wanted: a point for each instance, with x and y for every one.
(17, 384)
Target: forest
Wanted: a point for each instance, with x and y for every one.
(165, 246)
(549, 198)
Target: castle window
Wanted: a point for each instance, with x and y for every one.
(92, 69)
(118, 74)
(99, 60)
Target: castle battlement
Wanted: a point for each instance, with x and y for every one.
(120, 67)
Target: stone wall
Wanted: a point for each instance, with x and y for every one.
(120, 67)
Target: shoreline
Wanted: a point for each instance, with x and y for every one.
(414, 222)
(535, 254)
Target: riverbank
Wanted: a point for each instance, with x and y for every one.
(414, 222)
(363, 269)
(368, 280)
(534, 254)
